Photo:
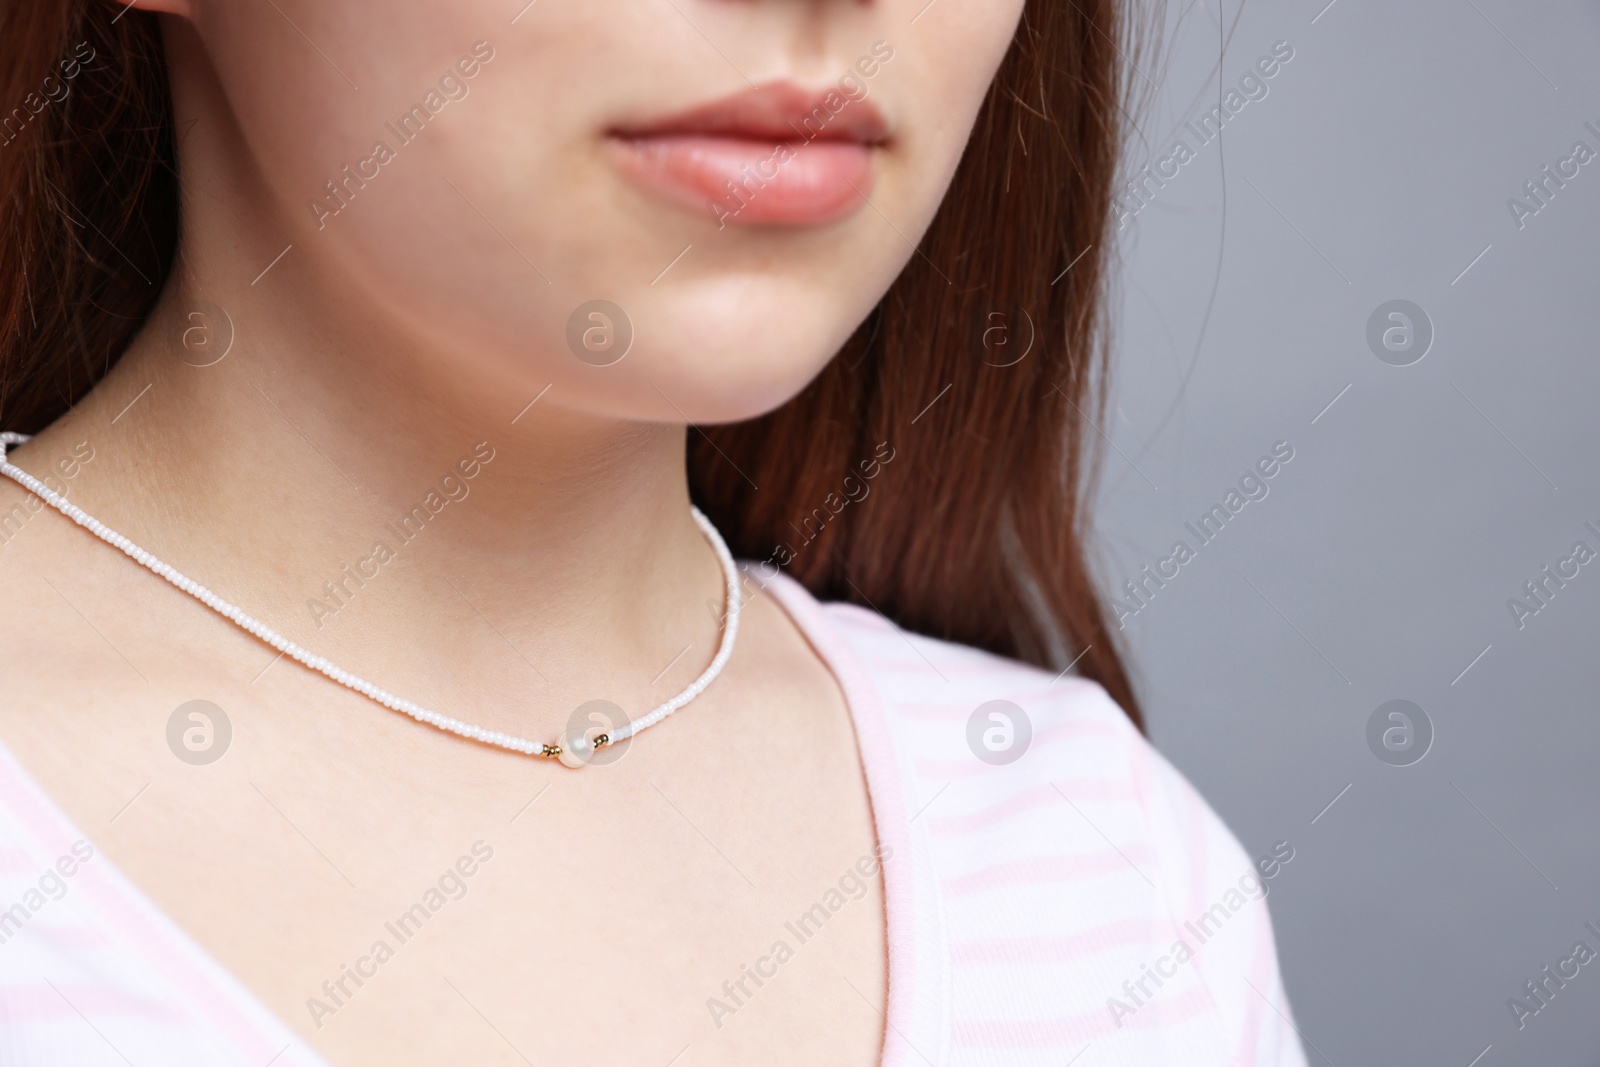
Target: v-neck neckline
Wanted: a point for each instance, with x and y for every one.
(222, 1003)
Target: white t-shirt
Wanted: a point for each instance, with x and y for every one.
(1080, 900)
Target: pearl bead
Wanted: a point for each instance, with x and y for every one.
(576, 748)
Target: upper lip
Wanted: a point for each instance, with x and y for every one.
(774, 112)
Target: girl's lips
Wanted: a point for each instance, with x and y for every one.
(736, 179)
(776, 155)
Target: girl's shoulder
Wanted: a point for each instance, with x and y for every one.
(1058, 852)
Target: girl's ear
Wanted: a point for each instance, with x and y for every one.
(182, 8)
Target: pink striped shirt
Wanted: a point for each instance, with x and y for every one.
(1078, 901)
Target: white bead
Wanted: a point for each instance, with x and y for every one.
(576, 748)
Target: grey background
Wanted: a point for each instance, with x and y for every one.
(1377, 168)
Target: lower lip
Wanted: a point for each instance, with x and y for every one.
(748, 182)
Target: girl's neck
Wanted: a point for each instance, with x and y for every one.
(367, 493)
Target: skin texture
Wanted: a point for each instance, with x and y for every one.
(364, 365)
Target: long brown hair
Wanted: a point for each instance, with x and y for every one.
(978, 464)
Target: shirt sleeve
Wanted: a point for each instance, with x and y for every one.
(1216, 898)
